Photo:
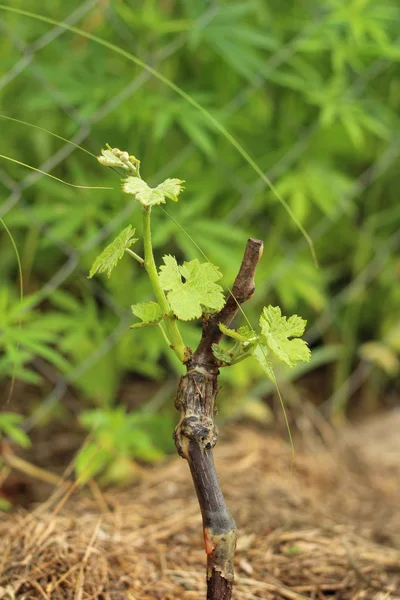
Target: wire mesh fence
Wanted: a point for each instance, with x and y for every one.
(85, 126)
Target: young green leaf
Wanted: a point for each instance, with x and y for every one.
(113, 157)
(149, 312)
(108, 259)
(245, 339)
(276, 332)
(222, 355)
(191, 287)
(237, 353)
(147, 196)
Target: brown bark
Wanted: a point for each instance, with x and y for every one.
(196, 435)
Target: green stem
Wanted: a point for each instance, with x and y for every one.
(240, 358)
(164, 334)
(173, 332)
(135, 256)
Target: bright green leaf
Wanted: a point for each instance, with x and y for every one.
(277, 330)
(149, 312)
(191, 287)
(170, 188)
(108, 259)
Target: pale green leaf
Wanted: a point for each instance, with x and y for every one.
(191, 288)
(171, 188)
(113, 157)
(147, 196)
(108, 159)
(108, 259)
(149, 312)
(277, 330)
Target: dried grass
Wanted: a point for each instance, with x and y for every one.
(333, 531)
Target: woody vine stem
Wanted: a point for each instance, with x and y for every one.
(196, 434)
(187, 292)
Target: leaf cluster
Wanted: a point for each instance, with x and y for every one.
(279, 339)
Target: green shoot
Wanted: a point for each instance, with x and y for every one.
(190, 291)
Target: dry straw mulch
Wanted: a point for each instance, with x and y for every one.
(333, 531)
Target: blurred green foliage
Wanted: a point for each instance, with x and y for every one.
(312, 91)
(117, 436)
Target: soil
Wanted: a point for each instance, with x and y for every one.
(331, 529)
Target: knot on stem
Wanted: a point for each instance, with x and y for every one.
(194, 429)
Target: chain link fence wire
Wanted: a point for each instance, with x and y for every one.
(14, 200)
